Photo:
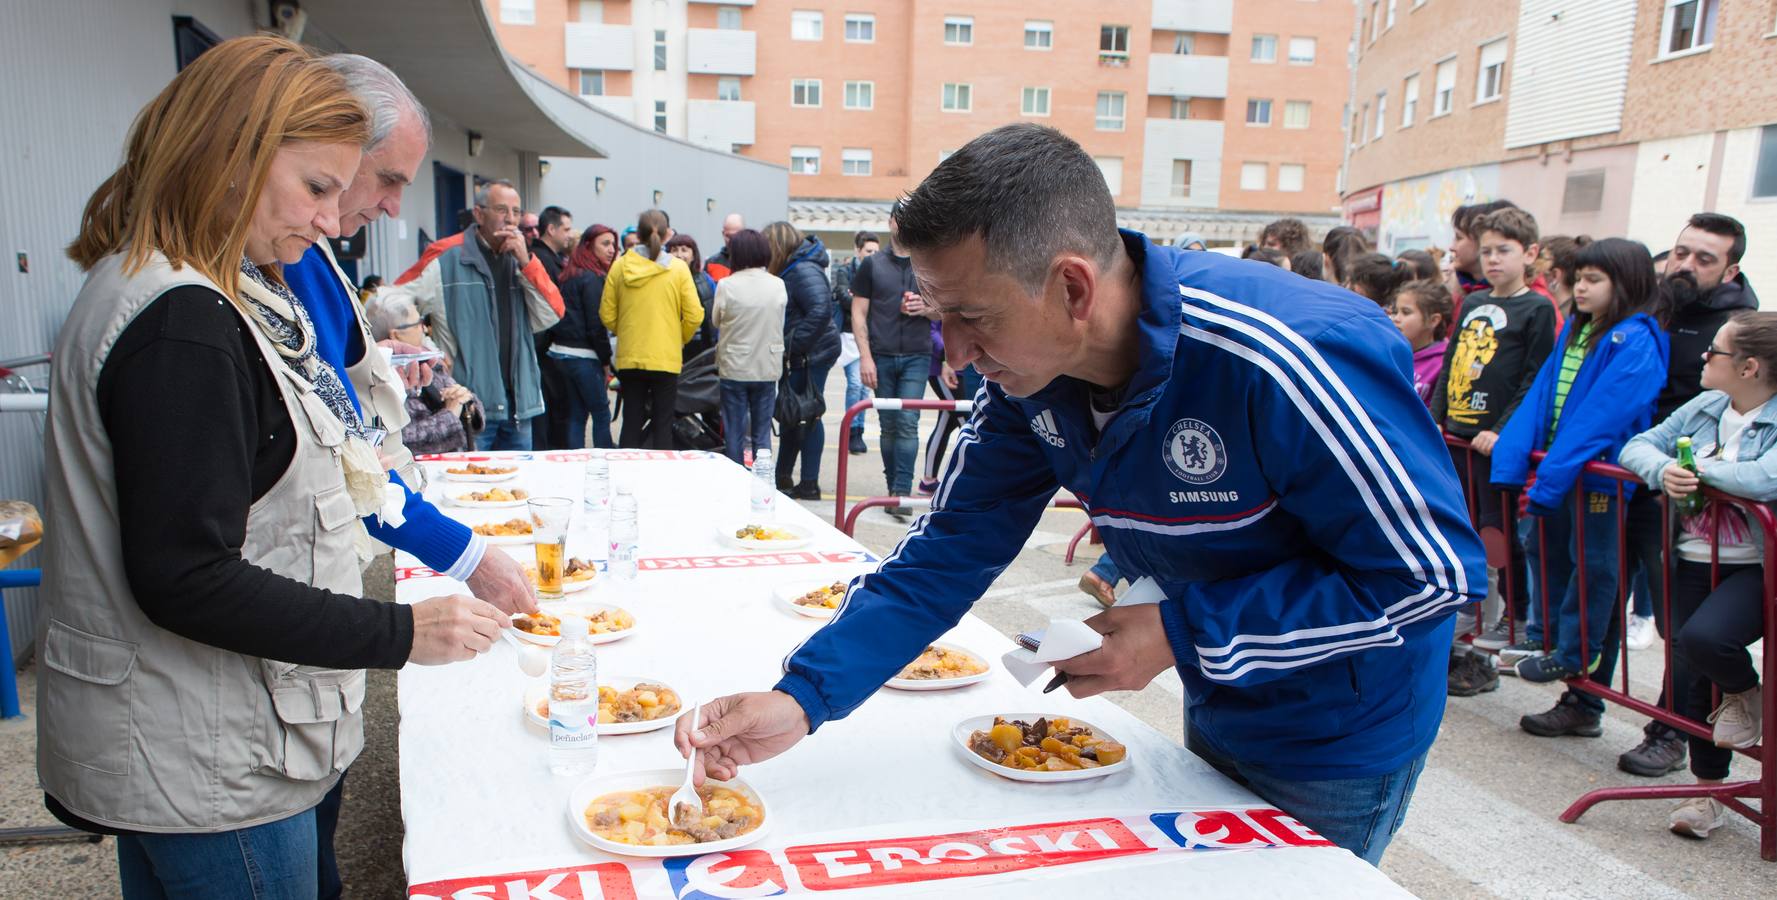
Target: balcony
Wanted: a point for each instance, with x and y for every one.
(1165, 141)
(720, 51)
(599, 46)
(1213, 16)
(1171, 75)
(719, 124)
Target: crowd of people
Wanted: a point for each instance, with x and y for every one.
(1588, 351)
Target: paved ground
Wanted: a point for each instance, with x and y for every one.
(1483, 823)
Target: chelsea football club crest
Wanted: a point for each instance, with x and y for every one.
(1194, 452)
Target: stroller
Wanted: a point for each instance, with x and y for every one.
(698, 423)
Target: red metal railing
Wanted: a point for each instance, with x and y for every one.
(845, 519)
(1732, 794)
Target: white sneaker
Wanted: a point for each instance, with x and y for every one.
(1642, 632)
(1737, 720)
(1697, 817)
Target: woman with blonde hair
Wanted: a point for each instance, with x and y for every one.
(203, 643)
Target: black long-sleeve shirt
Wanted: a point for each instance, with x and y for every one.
(199, 433)
(1492, 359)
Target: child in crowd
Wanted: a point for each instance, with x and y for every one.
(1266, 255)
(1500, 338)
(1733, 429)
(1420, 264)
(1557, 269)
(1343, 245)
(1377, 277)
(1422, 310)
(1593, 393)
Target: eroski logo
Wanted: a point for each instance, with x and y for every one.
(725, 876)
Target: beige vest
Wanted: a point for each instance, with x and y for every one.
(137, 727)
(380, 391)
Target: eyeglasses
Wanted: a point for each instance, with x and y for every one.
(414, 324)
(1714, 352)
(512, 211)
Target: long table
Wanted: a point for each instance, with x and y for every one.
(881, 802)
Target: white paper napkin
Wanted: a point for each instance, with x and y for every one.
(1067, 638)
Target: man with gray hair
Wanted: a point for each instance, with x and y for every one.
(399, 137)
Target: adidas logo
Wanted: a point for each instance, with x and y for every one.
(1043, 424)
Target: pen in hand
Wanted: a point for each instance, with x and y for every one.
(1031, 644)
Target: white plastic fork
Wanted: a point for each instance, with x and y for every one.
(687, 794)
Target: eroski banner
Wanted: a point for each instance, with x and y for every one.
(896, 855)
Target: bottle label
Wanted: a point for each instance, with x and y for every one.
(574, 729)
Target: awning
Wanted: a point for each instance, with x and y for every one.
(447, 53)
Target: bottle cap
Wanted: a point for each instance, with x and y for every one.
(1684, 441)
(574, 626)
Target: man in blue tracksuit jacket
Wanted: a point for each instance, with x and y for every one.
(1248, 438)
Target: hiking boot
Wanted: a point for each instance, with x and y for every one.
(1661, 751)
(1471, 674)
(1737, 720)
(856, 447)
(807, 490)
(1513, 654)
(1698, 816)
(1544, 669)
(1567, 717)
(1642, 632)
(1499, 636)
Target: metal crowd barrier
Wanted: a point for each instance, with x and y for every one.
(1731, 794)
(845, 519)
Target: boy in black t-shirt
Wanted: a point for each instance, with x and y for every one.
(1501, 338)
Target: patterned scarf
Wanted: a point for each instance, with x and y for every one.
(293, 333)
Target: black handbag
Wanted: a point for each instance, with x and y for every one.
(795, 407)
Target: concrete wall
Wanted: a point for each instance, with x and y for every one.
(1734, 197)
(1539, 184)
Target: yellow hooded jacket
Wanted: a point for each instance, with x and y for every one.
(652, 309)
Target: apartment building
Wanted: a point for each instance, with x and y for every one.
(1601, 117)
(1203, 114)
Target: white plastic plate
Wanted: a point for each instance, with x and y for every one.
(536, 690)
(581, 609)
(981, 723)
(944, 684)
(599, 785)
(725, 533)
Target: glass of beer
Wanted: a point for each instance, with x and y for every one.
(549, 526)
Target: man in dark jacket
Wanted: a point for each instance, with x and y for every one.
(554, 238)
(1704, 281)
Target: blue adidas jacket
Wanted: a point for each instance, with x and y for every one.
(1272, 469)
(1610, 401)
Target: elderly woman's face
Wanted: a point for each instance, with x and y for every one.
(300, 202)
(683, 252)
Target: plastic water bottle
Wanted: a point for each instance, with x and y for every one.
(624, 534)
(573, 701)
(596, 490)
(764, 484)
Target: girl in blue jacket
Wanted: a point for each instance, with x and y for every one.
(1593, 393)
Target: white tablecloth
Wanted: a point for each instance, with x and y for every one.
(484, 817)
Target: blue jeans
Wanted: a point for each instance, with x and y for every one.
(746, 411)
(1107, 570)
(902, 376)
(274, 860)
(587, 396)
(1359, 814)
(1557, 551)
(855, 391)
(512, 434)
(804, 441)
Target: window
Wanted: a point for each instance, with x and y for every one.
(958, 97)
(1253, 176)
(728, 89)
(959, 30)
(805, 92)
(728, 18)
(1181, 179)
(1764, 174)
(1181, 107)
(860, 28)
(518, 12)
(592, 11)
(1039, 35)
(944, 155)
(854, 162)
(1264, 48)
(659, 50)
(1035, 101)
(1689, 25)
(1111, 167)
(805, 160)
(860, 95)
(1381, 115)
(1290, 176)
(1375, 20)
(1388, 21)
(660, 116)
(805, 25)
(1491, 79)
(1356, 131)
(1301, 51)
(592, 82)
(1113, 40)
(1445, 87)
(1110, 111)
(1410, 100)
(1295, 113)
(1258, 112)
(1584, 192)
(1184, 44)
